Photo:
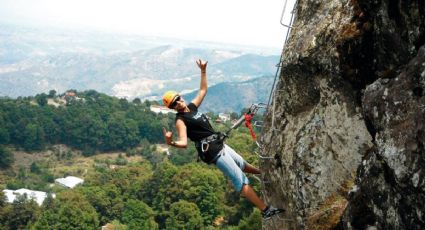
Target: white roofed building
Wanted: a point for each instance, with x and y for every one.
(37, 196)
(69, 181)
(161, 109)
(224, 116)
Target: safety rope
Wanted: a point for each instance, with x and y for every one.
(248, 118)
(288, 31)
(289, 27)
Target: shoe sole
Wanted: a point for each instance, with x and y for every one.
(274, 214)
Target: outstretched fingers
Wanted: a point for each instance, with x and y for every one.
(201, 65)
(164, 132)
(167, 135)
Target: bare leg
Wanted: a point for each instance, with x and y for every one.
(250, 194)
(251, 169)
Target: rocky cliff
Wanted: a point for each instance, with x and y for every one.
(345, 128)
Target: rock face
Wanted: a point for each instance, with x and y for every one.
(391, 184)
(349, 104)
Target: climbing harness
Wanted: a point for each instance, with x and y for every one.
(247, 117)
(206, 141)
(216, 141)
(220, 137)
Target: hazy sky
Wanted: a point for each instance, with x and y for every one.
(246, 22)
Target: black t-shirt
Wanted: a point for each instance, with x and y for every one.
(197, 125)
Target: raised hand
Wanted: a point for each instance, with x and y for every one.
(168, 136)
(202, 65)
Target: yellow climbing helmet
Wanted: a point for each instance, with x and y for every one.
(169, 97)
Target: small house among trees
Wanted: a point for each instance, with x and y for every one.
(37, 196)
(69, 181)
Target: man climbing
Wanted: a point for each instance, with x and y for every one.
(210, 144)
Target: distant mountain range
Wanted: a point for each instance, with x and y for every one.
(34, 60)
(235, 96)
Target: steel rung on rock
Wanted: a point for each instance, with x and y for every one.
(262, 157)
(258, 123)
(283, 14)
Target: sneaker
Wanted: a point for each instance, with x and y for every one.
(271, 211)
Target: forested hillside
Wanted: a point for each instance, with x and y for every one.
(89, 121)
(131, 181)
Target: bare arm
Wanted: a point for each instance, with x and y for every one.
(182, 139)
(204, 85)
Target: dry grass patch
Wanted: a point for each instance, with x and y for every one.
(328, 214)
(62, 161)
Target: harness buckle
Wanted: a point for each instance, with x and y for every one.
(204, 146)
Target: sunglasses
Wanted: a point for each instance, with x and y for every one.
(173, 105)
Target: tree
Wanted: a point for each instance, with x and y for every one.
(6, 157)
(193, 183)
(116, 132)
(234, 115)
(211, 116)
(4, 132)
(183, 156)
(106, 199)
(4, 209)
(252, 222)
(120, 160)
(118, 226)
(203, 187)
(52, 93)
(156, 191)
(124, 105)
(132, 137)
(47, 120)
(184, 215)
(3, 199)
(242, 142)
(148, 103)
(41, 99)
(34, 137)
(23, 212)
(70, 211)
(137, 101)
(98, 123)
(35, 168)
(138, 215)
(91, 93)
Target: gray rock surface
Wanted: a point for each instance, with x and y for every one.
(349, 103)
(391, 179)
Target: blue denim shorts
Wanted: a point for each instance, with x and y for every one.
(232, 166)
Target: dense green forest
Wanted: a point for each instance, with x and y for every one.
(90, 121)
(146, 188)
